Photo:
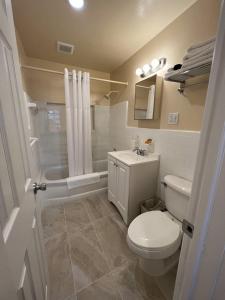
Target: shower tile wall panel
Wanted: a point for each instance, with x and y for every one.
(53, 149)
(177, 149)
(52, 134)
(100, 133)
(51, 123)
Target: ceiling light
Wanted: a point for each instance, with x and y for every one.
(77, 4)
(155, 63)
(146, 68)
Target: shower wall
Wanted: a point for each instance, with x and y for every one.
(100, 136)
(50, 128)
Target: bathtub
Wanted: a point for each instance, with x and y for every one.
(55, 178)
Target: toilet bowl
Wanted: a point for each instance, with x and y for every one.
(156, 236)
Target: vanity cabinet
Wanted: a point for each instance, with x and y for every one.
(130, 184)
(118, 185)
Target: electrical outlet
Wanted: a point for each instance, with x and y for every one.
(173, 118)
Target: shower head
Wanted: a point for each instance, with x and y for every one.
(108, 95)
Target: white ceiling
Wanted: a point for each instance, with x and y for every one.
(105, 33)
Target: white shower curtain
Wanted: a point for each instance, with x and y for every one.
(78, 118)
(151, 102)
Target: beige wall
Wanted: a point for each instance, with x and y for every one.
(49, 87)
(198, 23)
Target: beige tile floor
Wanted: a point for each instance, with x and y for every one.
(88, 257)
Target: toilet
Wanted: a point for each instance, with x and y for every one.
(156, 236)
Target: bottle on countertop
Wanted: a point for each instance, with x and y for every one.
(150, 146)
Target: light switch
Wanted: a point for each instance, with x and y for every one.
(173, 118)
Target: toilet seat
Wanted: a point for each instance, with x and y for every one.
(154, 235)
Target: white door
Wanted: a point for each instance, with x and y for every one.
(21, 260)
(201, 271)
(112, 180)
(122, 188)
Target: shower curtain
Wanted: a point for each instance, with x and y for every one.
(151, 102)
(78, 119)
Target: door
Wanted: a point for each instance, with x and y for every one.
(201, 271)
(21, 259)
(112, 181)
(123, 189)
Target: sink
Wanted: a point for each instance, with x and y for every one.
(131, 158)
(130, 155)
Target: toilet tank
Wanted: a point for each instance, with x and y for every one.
(177, 194)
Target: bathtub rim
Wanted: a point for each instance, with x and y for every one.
(61, 182)
(60, 200)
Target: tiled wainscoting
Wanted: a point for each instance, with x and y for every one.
(177, 148)
(88, 256)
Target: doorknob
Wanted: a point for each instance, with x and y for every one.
(41, 187)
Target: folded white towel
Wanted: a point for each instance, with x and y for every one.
(197, 64)
(199, 53)
(190, 66)
(81, 180)
(171, 73)
(201, 50)
(201, 45)
(195, 60)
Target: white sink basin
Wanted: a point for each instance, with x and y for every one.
(129, 157)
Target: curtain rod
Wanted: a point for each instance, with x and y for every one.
(61, 73)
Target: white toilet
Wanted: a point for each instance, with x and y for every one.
(156, 236)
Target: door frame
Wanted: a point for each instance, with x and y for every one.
(21, 109)
(201, 270)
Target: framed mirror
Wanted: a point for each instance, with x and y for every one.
(148, 98)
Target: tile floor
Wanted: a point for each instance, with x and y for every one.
(88, 257)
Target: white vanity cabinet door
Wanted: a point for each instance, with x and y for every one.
(122, 189)
(112, 180)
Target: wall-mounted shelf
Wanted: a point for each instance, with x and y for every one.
(182, 76)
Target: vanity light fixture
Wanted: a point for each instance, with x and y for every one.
(139, 72)
(77, 4)
(146, 68)
(155, 63)
(154, 66)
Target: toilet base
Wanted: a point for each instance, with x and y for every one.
(159, 267)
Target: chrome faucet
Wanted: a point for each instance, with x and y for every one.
(139, 151)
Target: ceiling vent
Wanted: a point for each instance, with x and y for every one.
(65, 48)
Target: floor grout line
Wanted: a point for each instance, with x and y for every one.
(69, 249)
(115, 269)
(92, 221)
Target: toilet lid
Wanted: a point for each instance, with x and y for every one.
(154, 230)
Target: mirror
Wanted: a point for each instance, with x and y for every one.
(148, 98)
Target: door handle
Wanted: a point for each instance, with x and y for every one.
(39, 186)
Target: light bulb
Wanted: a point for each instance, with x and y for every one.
(155, 63)
(146, 68)
(139, 72)
(78, 4)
